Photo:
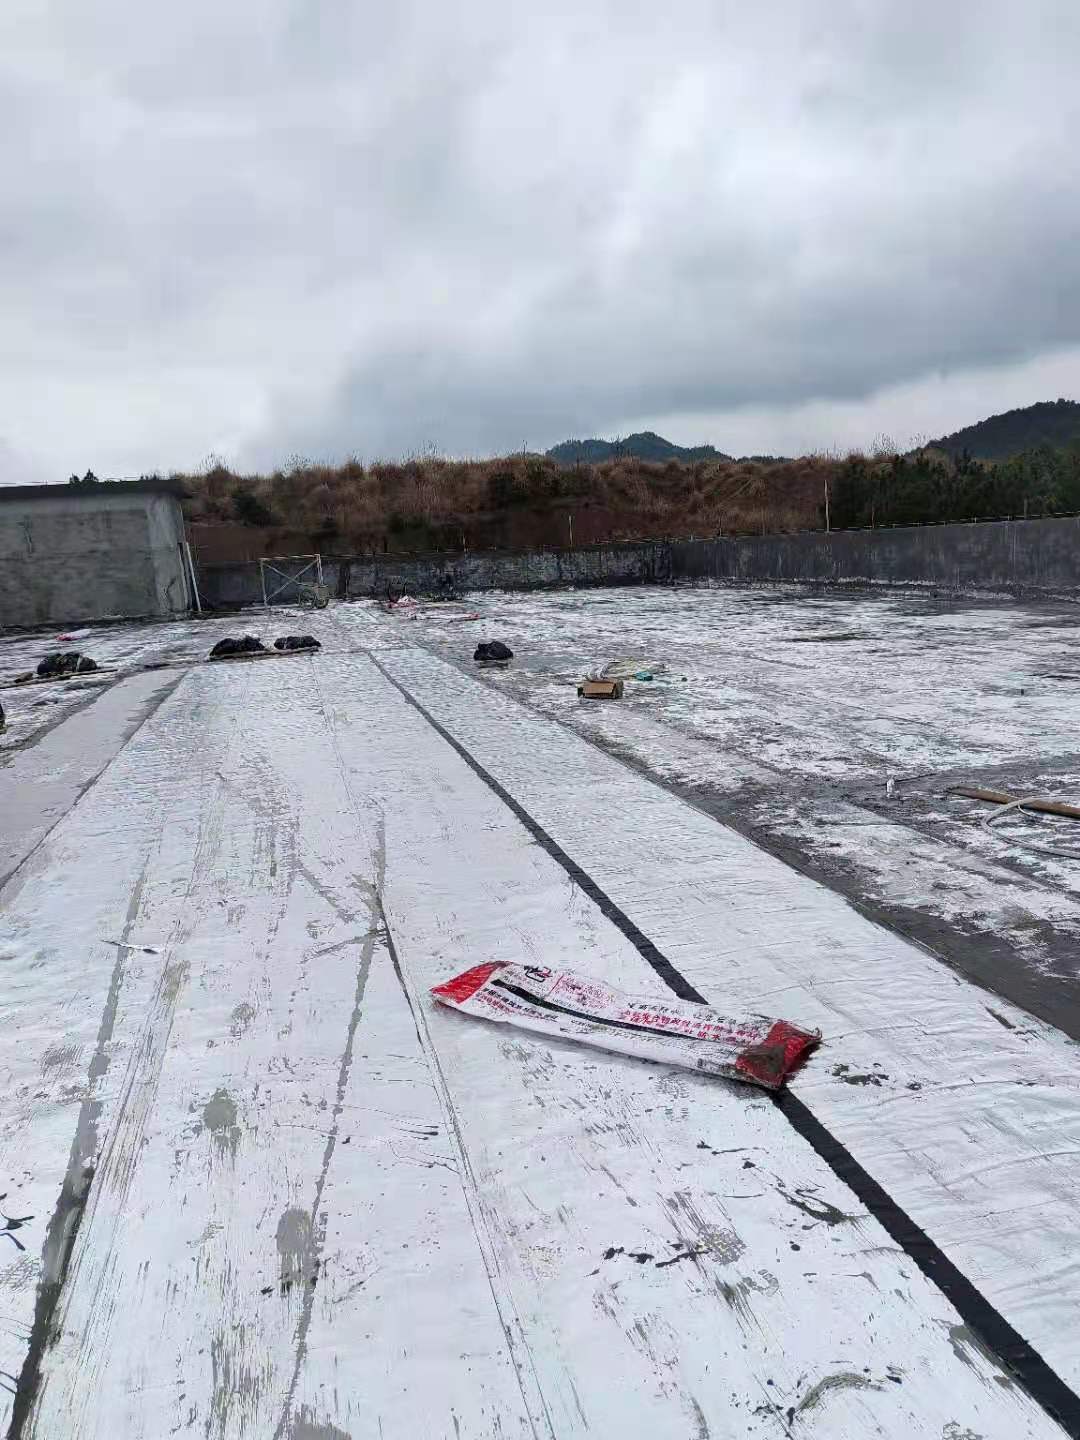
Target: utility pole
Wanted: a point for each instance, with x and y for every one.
(570, 522)
(827, 527)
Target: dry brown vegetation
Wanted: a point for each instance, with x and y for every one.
(522, 500)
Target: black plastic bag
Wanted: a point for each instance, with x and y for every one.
(492, 652)
(245, 645)
(297, 642)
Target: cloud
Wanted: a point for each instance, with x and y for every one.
(18, 468)
(907, 414)
(268, 228)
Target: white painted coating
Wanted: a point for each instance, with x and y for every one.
(811, 702)
(40, 783)
(971, 1121)
(261, 1091)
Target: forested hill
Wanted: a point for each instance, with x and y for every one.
(646, 445)
(1054, 423)
(1051, 422)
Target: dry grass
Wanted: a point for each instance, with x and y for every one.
(519, 500)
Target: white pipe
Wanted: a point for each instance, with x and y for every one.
(191, 571)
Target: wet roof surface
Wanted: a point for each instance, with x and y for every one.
(256, 1183)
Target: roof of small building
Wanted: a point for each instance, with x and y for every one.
(151, 486)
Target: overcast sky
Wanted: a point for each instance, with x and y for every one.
(264, 228)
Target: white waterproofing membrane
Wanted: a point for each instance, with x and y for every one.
(258, 1183)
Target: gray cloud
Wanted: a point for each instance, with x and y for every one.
(273, 227)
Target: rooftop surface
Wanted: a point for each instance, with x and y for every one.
(154, 486)
(256, 1184)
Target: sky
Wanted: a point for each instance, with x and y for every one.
(279, 228)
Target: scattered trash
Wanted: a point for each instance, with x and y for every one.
(61, 663)
(297, 642)
(890, 787)
(630, 669)
(405, 607)
(998, 797)
(753, 1048)
(493, 652)
(316, 595)
(454, 619)
(1024, 805)
(231, 648)
(600, 689)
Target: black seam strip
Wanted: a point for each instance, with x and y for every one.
(1007, 1346)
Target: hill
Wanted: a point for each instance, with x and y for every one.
(645, 445)
(526, 501)
(1051, 422)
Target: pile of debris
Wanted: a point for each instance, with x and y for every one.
(608, 682)
(247, 647)
(59, 665)
(62, 663)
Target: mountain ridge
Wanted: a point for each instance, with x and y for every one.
(999, 437)
(642, 445)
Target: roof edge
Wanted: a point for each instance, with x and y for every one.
(153, 486)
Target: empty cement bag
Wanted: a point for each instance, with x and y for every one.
(759, 1049)
(62, 663)
(297, 642)
(232, 646)
(630, 668)
(493, 652)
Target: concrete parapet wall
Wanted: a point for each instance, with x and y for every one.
(632, 564)
(1006, 557)
(1014, 557)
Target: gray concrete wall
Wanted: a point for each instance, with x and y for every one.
(75, 557)
(631, 564)
(225, 586)
(1014, 557)
(1007, 557)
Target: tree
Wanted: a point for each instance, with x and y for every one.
(250, 510)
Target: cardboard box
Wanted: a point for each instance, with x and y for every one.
(600, 689)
